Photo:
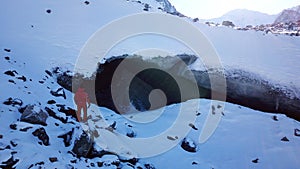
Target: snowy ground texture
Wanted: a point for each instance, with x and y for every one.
(43, 35)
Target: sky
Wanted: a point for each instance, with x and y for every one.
(207, 9)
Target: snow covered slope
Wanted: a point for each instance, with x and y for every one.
(289, 15)
(47, 34)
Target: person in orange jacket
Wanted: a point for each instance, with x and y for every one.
(81, 99)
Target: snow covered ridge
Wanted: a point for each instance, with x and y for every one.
(244, 88)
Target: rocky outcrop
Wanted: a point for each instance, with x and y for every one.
(35, 115)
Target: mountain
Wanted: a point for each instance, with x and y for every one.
(244, 17)
(289, 15)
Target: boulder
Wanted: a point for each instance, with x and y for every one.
(34, 115)
(42, 135)
(189, 145)
(82, 146)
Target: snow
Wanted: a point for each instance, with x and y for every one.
(55, 40)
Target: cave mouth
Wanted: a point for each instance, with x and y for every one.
(243, 88)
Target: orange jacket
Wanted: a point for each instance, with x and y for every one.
(81, 97)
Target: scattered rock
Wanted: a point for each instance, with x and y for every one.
(255, 161)
(13, 126)
(219, 106)
(12, 81)
(189, 145)
(297, 132)
(198, 113)
(59, 92)
(285, 139)
(131, 134)
(13, 102)
(193, 126)
(87, 2)
(194, 163)
(275, 118)
(42, 135)
(68, 111)
(172, 138)
(38, 165)
(149, 166)
(49, 73)
(9, 163)
(6, 58)
(53, 159)
(13, 143)
(25, 129)
(23, 78)
(34, 115)
(67, 137)
(53, 114)
(7, 50)
(41, 82)
(48, 11)
(11, 73)
(51, 102)
(1, 136)
(82, 146)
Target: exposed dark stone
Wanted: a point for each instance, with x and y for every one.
(194, 163)
(13, 126)
(275, 118)
(87, 2)
(285, 139)
(189, 145)
(25, 129)
(7, 50)
(11, 73)
(22, 78)
(13, 143)
(49, 73)
(297, 132)
(34, 115)
(13, 102)
(51, 102)
(131, 134)
(53, 159)
(255, 161)
(59, 92)
(42, 135)
(6, 58)
(82, 146)
(48, 11)
(68, 111)
(22, 109)
(41, 82)
(67, 137)
(9, 163)
(1, 136)
(12, 81)
(39, 164)
(149, 166)
(193, 126)
(53, 114)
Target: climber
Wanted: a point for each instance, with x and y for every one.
(81, 99)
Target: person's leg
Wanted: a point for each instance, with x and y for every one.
(78, 113)
(84, 113)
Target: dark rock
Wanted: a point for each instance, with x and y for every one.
(189, 145)
(6, 58)
(22, 109)
(7, 50)
(68, 111)
(87, 2)
(149, 166)
(22, 78)
(11, 73)
(25, 129)
(41, 82)
(59, 92)
(13, 102)
(11, 81)
(297, 132)
(34, 115)
(67, 137)
(255, 161)
(1, 136)
(42, 135)
(51, 102)
(193, 126)
(9, 164)
(228, 23)
(49, 73)
(38, 165)
(13, 126)
(53, 159)
(6, 147)
(285, 139)
(131, 134)
(195, 19)
(13, 143)
(194, 163)
(48, 11)
(275, 118)
(53, 114)
(82, 146)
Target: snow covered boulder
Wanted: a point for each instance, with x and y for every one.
(34, 115)
(82, 146)
(189, 145)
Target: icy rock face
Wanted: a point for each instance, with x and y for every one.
(35, 115)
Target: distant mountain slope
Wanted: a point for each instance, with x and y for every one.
(289, 15)
(244, 17)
